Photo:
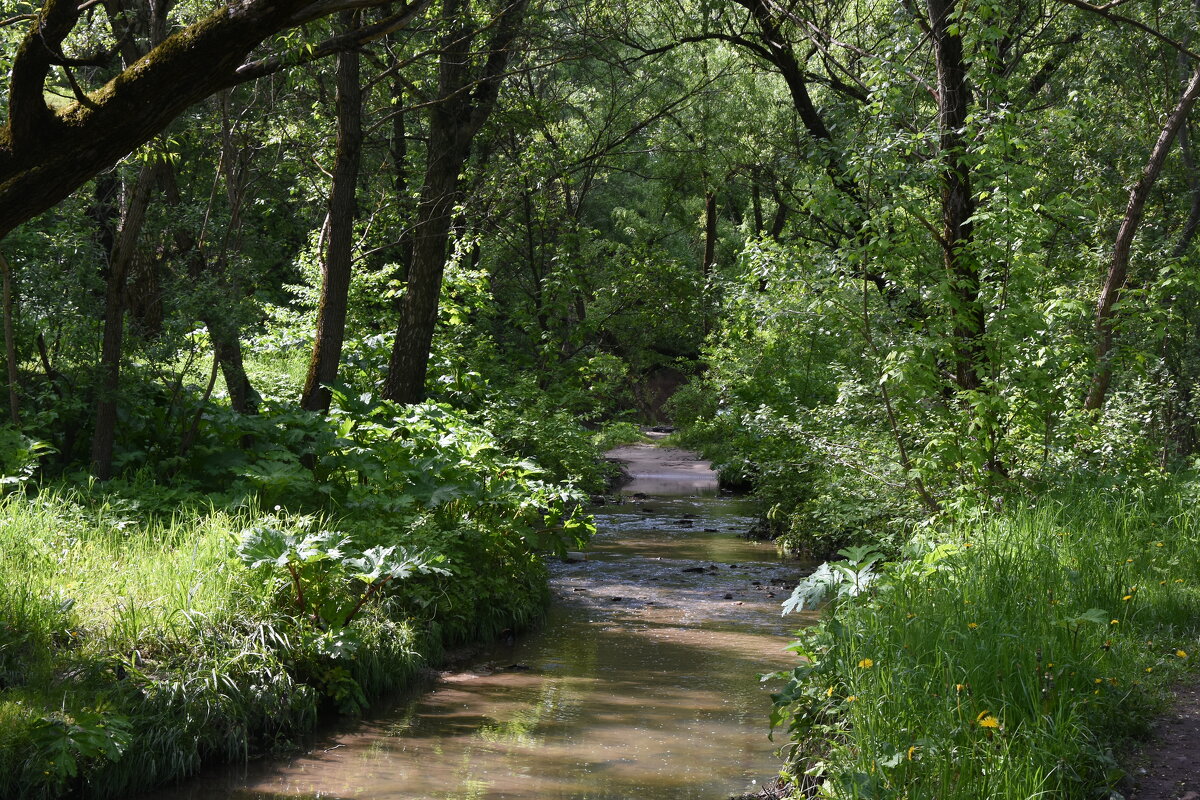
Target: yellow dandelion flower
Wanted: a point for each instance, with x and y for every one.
(1050, 665)
(1127, 597)
(1179, 580)
(1115, 622)
(972, 625)
(909, 615)
(1149, 669)
(1099, 680)
(866, 663)
(829, 692)
(851, 698)
(1159, 544)
(987, 720)
(911, 750)
(1129, 561)
(967, 544)
(1181, 653)
(958, 687)
(1162, 583)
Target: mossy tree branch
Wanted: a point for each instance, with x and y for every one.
(46, 154)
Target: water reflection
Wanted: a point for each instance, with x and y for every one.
(641, 683)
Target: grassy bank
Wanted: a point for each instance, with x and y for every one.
(1010, 657)
(130, 652)
(144, 629)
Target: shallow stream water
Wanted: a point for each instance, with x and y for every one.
(641, 683)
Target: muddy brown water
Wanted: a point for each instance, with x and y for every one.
(642, 681)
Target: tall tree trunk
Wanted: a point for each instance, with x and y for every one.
(710, 232)
(419, 305)
(756, 202)
(114, 312)
(401, 254)
(1190, 225)
(958, 205)
(337, 264)
(454, 120)
(1118, 267)
(225, 330)
(710, 253)
(10, 344)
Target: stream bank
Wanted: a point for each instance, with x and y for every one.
(641, 682)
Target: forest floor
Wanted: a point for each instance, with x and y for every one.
(1167, 767)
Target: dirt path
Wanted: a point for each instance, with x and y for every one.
(1168, 766)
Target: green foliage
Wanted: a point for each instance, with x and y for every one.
(1008, 657)
(331, 580)
(19, 456)
(825, 344)
(220, 642)
(552, 438)
(61, 741)
(615, 434)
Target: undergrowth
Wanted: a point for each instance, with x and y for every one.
(1009, 657)
(145, 630)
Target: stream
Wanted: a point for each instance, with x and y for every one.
(641, 683)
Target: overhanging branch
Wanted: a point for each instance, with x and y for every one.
(1104, 11)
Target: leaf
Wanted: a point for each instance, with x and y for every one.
(811, 590)
(1096, 615)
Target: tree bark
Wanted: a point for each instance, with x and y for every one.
(337, 264)
(1190, 225)
(710, 252)
(777, 49)
(710, 233)
(958, 204)
(10, 344)
(114, 313)
(1118, 267)
(455, 118)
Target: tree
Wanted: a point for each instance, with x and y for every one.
(470, 73)
(338, 257)
(47, 152)
(1118, 267)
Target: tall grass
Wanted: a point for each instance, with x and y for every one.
(108, 625)
(132, 651)
(1011, 663)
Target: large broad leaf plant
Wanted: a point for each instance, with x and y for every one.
(331, 580)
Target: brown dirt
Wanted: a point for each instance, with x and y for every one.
(1167, 767)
